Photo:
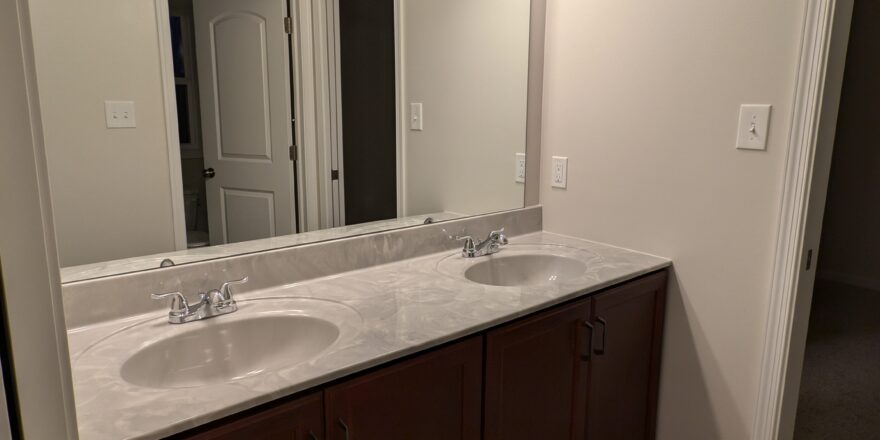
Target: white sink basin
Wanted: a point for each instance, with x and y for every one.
(524, 270)
(221, 351)
(273, 335)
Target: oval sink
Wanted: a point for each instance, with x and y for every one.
(524, 270)
(221, 351)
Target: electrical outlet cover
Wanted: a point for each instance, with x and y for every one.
(520, 171)
(559, 173)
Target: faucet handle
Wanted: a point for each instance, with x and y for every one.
(470, 248)
(499, 235)
(467, 239)
(179, 305)
(224, 289)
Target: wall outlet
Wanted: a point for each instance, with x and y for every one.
(560, 172)
(120, 114)
(520, 176)
(754, 121)
(415, 116)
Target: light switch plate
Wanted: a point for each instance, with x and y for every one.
(120, 114)
(415, 116)
(559, 174)
(754, 122)
(520, 176)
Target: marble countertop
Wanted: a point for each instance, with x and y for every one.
(384, 313)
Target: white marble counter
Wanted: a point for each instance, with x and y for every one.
(400, 308)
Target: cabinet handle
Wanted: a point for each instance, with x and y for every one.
(586, 357)
(344, 427)
(602, 321)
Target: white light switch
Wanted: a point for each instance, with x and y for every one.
(754, 121)
(560, 172)
(120, 114)
(520, 176)
(415, 116)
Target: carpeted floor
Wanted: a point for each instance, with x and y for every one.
(840, 386)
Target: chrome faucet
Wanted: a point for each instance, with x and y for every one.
(214, 302)
(489, 246)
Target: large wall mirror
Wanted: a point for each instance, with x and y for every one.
(195, 129)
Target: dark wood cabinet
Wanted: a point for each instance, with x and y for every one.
(536, 376)
(300, 419)
(436, 396)
(585, 370)
(625, 366)
(588, 369)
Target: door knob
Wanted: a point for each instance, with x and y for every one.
(208, 173)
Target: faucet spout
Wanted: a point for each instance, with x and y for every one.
(490, 245)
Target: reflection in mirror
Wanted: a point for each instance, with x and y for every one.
(194, 129)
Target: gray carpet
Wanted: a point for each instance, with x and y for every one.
(840, 386)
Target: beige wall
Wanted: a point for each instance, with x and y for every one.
(110, 189)
(643, 98)
(467, 62)
(851, 228)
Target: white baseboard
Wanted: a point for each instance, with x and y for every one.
(850, 279)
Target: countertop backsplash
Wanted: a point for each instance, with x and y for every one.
(97, 300)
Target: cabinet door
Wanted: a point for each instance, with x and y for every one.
(301, 419)
(536, 376)
(625, 366)
(435, 396)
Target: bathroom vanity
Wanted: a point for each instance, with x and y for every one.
(589, 366)
(550, 337)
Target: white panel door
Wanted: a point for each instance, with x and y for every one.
(244, 80)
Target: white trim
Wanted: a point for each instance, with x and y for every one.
(534, 102)
(31, 282)
(400, 113)
(334, 90)
(312, 116)
(5, 427)
(169, 100)
(793, 217)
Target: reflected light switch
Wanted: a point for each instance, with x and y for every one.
(120, 114)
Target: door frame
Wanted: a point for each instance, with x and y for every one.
(335, 111)
(814, 117)
(172, 140)
(169, 101)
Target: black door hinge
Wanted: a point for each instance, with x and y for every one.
(334, 174)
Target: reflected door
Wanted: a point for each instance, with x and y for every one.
(242, 51)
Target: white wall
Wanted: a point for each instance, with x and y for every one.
(467, 62)
(643, 98)
(110, 189)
